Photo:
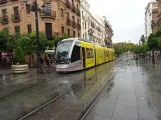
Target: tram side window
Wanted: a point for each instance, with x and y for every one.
(88, 52)
(75, 54)
(91, 51)
(106, 53)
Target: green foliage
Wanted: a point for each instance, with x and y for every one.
(143, 48)
(4, 36)
(19, 55)
(124, 47)
(159, 43)
(13, 42)
(153, 42)
(27, 45)
(43, 42)
(60, 38)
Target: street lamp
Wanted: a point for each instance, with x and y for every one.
(34, 7)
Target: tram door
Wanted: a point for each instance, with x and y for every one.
(84, 57)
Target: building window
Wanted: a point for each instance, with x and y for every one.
(69, 32)
(73, 18)
(47, 9)
(73, 33)
(85, 25)
(78, 34)
(29, 28)
(67, 15)
(28, 8)
(83, 35)
(17, 29)
(62, 29)
(48, 30)
(4, 12)
(62, 14)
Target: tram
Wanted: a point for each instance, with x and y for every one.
(75, 54)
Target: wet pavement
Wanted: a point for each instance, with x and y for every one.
(133, 93)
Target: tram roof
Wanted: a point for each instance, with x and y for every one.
(82, 39)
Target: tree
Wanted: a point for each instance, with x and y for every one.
(28, 45)
(142, 39)
(143, 48)
(19, 55)
(152, 42)
(12, 43)
(4, 36)
(60, 38)
(43, 41)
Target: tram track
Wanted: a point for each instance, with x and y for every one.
(59, 96)
(23, 89)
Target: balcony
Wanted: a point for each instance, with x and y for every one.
(92, 24)
(73, 8)
(3, 1)
(4, 20)
(68, 4)
(78, 12)
(78, 26)
(48, 14)
(15, 17)
(68, 21)
(74, 24)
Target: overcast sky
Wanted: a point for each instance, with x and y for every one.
(125, 16)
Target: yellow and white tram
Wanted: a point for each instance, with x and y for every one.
(74, 54)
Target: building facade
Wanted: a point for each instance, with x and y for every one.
(108, 33)
(93, 26)
(55, 17)
(158, 21)
(151, 11)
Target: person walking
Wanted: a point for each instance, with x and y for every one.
(42, 64)
(48, 64)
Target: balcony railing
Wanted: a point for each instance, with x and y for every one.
(15, 17)
(78, 26)
(3, 1)
(73, 8)
(74, 24)
(92, 24)
(69, 21)
(68, 4)
(48, 14)
(78, 12)
(4, 19)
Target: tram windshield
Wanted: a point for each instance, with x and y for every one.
(62, 52)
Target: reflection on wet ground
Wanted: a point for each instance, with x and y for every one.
(134, 94)
(27, 98)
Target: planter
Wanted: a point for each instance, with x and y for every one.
(19, 68)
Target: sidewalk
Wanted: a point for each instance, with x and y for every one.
(134, 94)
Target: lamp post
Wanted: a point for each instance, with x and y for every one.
(152, 26)
(34, 7)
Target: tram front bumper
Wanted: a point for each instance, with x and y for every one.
(62, 68)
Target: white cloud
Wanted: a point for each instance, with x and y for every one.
(125, 16)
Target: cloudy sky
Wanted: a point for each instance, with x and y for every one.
(125, 16)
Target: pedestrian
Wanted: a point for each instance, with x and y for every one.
(48, 64)
(42, 64)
